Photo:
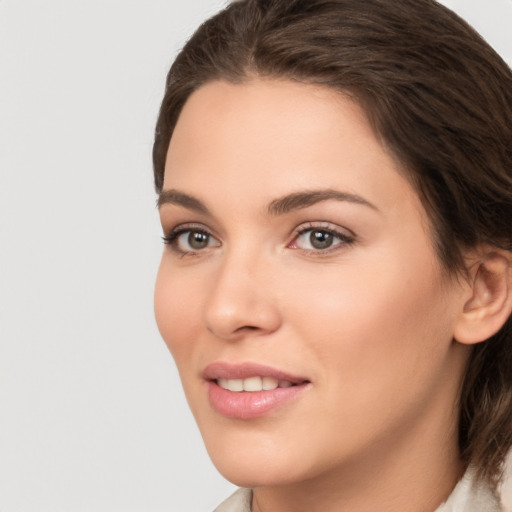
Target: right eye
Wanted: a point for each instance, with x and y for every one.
(190, 240)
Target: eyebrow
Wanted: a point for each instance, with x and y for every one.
(181, 199)
(279, 206)
(299, 200)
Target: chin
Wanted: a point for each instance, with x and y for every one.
(254, 460)
(263, 459)
(245, 472)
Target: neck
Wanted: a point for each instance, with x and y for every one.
(369, 485)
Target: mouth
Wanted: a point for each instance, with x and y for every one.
(247, 391)
(254, 384)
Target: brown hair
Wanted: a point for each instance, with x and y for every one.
(437, 96)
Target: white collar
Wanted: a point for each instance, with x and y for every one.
(471, 496)
(467, 496)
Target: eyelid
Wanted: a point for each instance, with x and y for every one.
(171, 237)
(346, 236)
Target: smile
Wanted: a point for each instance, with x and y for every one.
(248, 391)
(253, 384)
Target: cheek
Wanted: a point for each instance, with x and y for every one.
(376, 322)
(377, 341)
(176, 310)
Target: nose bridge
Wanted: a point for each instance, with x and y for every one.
(240, 300)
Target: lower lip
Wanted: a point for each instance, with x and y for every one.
(246, 405)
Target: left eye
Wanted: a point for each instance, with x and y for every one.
(319, 239)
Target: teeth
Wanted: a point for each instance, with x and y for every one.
(269, 383)
(253, 384)
(235, 384)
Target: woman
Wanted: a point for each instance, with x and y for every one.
(335, 190)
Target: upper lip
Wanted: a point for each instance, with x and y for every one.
(224, 370)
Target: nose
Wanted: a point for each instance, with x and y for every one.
(242, 301)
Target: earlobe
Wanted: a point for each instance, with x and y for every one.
(490, 304)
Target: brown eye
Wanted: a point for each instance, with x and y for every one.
(321, 239)
(190, 240)
(198, 240)
(194, 240)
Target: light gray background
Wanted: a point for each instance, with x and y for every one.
(91, 410)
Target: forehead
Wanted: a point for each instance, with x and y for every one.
(268, 137)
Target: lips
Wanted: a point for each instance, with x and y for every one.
(248, 390)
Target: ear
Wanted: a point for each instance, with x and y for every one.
(490, 303)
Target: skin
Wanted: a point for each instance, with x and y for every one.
(369, 321)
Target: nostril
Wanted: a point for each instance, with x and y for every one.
(247, 328)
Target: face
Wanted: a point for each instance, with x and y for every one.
(299, 291)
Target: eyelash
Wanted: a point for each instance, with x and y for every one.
(344, 239)
(172, 239)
